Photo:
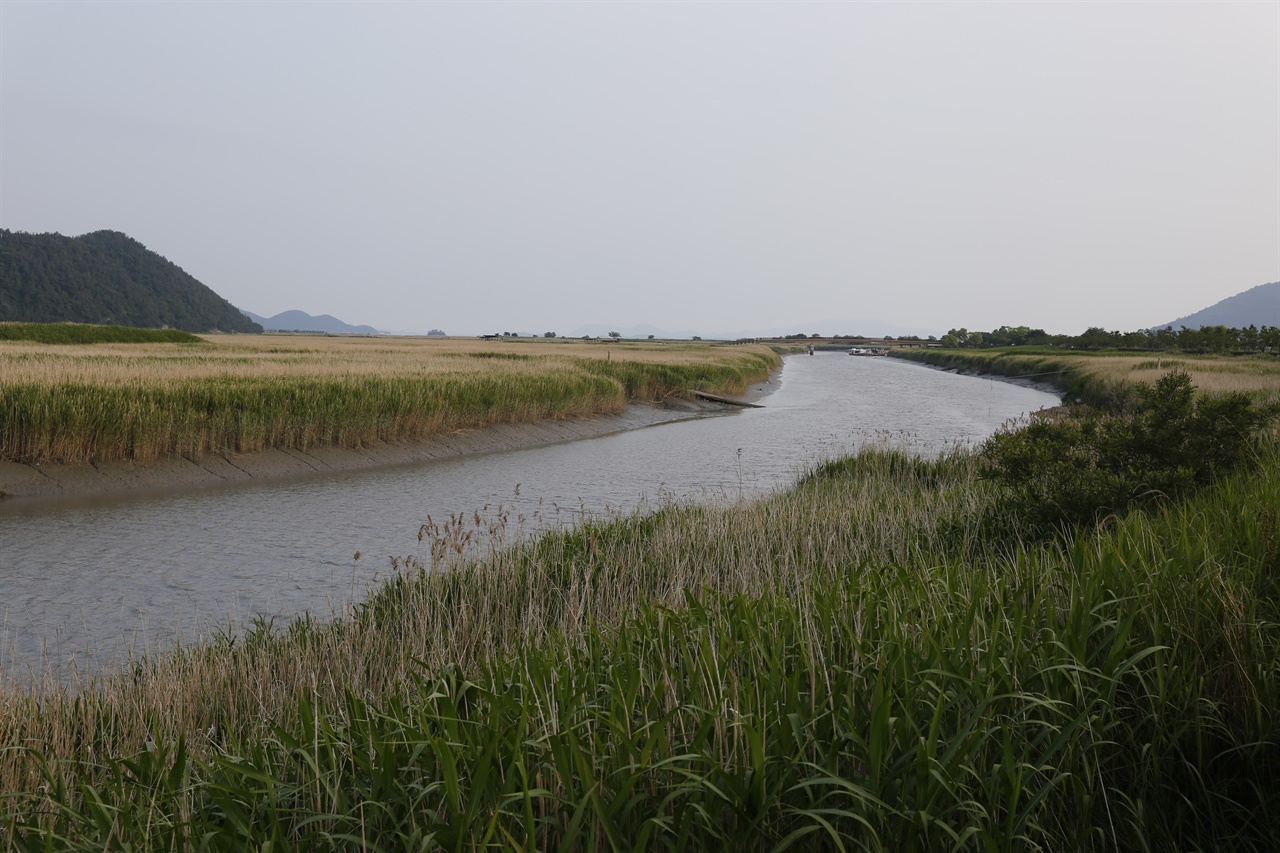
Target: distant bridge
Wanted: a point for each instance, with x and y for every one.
(840, 344)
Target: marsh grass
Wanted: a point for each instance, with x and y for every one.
(78, 333)
(1107, 380)
(864, 661)
(233, 395)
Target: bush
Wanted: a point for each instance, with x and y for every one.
(1089, 463)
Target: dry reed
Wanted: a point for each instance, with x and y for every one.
(144, 402)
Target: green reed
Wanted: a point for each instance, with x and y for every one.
(865, 661)
(143, 420)
(78, 333)
(649, 381)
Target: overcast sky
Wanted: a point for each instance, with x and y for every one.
(714, 167)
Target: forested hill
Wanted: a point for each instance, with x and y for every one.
(105, 277)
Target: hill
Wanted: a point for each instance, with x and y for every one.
(1259, 306)
(106, 278)
(301, 321)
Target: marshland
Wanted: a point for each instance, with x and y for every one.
(1109, 378)
(94, 577)
(889, 652)
(103, 402)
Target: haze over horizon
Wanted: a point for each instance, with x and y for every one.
(691, 166)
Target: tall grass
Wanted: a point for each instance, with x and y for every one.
(77, 333)
(865, 661)
(1107, 379)
(113, 403)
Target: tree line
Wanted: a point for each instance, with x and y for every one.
(1206, 339)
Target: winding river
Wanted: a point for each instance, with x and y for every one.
(86, 582)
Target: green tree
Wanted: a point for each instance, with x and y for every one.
(1096, 337)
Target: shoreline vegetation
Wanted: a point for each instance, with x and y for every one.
(1108, 380)
(878, 658)
(101, 417)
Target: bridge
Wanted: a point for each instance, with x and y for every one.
(840, 344)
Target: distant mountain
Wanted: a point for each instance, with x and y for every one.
(301, 321)
(106, 278)
(1259, 306)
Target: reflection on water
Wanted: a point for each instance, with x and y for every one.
(94, 579)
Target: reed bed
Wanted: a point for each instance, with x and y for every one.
(868, 660)
(1107, 379)
(233, 395)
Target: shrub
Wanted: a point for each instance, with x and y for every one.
(1089, 463)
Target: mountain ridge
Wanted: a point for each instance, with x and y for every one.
(1257, 306)
(294, 320)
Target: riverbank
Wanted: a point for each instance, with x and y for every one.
(1053, 383)
(54, 480)
(106, 418)
(714, 677)
(1107, 379)
(1059, 381)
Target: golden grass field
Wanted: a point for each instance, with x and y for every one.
(1210, 374)
(103, 402)
(1107, 372)
(278, 356)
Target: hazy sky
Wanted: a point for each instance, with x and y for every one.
(714, 167)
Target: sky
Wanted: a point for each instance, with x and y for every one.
(715, 168)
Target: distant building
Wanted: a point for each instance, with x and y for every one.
(436, 333)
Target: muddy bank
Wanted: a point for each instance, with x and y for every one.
(52, 480)
(1042, 382)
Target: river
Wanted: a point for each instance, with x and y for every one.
(86, 582)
